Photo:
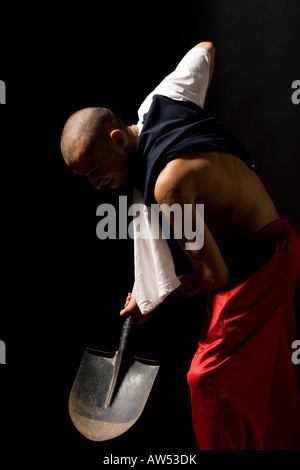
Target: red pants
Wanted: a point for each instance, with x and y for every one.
(243, 383)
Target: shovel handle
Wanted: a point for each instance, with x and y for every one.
(126, 330)
(128, 325)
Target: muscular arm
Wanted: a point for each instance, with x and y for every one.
(210, 272)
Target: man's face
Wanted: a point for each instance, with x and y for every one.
(104, 167)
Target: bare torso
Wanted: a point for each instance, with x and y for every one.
(236, 203)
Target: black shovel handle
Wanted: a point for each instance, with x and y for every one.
(128, 325)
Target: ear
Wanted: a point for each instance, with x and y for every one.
(118, 137)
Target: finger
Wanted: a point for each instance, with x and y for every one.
(124, 312)
(128, 298)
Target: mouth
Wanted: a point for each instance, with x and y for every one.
(113, 183)
(110, 184)
(115, 186)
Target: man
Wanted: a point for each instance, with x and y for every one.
(243, 383)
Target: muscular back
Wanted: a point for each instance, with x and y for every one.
(236, 204)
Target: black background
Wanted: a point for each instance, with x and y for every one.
(62, 287)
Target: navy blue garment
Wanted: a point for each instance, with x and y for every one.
(172, 128)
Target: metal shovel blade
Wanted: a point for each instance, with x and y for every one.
(98, 412)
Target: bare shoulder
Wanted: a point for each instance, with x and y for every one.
(177, 178)
(200, 177)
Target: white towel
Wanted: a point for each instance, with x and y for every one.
(155, 276)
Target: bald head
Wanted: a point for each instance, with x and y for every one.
(97, 144)
(87, 128)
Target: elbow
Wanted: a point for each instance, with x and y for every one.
(217, 280)
(209, 46)
(221, 279)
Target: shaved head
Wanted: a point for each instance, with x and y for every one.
(97, 144)
(87, 128)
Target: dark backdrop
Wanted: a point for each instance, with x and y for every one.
(63, 286)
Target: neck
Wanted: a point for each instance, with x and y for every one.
(133, 129)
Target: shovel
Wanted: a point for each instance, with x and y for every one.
(110, 390)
